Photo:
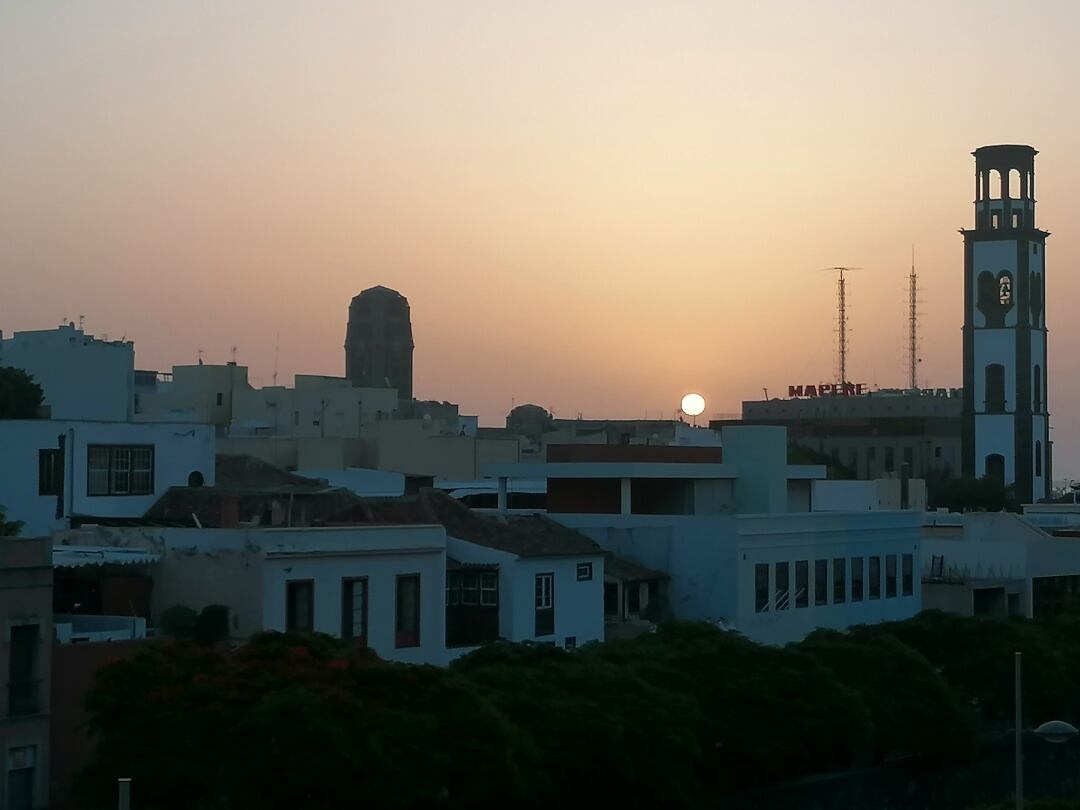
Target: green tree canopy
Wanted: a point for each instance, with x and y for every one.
(20, 396)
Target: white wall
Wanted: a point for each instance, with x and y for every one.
(424, 554)
(579, 606)
(827, 536)
(179, 449)
(82, 377)
(711, 562)
(316, 407)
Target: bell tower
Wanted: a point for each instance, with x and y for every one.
(1006, 431)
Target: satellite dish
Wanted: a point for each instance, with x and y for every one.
(693, 404)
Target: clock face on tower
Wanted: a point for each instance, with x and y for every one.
(1005, 290)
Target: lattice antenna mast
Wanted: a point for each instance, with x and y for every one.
(913, 325)
(841, 321)
(841, 327)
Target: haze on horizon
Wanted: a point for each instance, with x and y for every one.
(595, 207)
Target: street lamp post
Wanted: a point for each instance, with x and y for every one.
(1055, 731)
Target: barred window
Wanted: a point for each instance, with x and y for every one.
(114, 469)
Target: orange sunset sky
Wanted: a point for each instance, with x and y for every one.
(594, 206)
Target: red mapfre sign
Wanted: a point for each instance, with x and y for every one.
(826, 390)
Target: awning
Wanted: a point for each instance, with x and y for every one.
(78, 556)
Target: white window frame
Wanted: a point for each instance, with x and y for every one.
(545, 591)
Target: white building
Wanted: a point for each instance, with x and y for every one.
(83, 377)
(516, 577)
(382, 586)
(316, 407)
(739, 539)
(1001, 564)
(55, 471)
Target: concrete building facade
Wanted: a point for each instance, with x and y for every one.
(739, 539)
(25, 661)
(83, 377)
(877, 434)
(379, 341)
(56, 472)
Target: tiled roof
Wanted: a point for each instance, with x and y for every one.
(525, 536)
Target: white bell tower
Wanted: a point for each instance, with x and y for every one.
(1006, 431)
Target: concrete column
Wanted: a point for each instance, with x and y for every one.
(624, 496)
(502, 495)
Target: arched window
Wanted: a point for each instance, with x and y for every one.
(995, 184)
(1036, 385)
(995, 388)
(1014, 184)
(995, 468)
(1038, 459)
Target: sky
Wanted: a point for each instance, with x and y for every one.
(592, 206)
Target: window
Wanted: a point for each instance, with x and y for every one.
(907, 570)
(890, 576)
(407, 618)
(937, 451)
(584, 571)
(890, 459)
(909, 459)
(821, 582)
(873, 573)
(1037, 389)
(113, 469)
(545, 605)
(856, 579)
(470, 589)
(354, 603)
(839, 579)
(995, 388)
(802, 583)
(1038, 458)
(781, 598)
(50, 472)
(489, 590)
(761, 587)
(300, 606)
(220, 399)
(22, 670)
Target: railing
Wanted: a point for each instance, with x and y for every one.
(23, 698)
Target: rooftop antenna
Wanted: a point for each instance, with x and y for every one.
(913, 325)
(232, 351)
(200, 353)
(841, 321)
(277, 344)
(82, 320)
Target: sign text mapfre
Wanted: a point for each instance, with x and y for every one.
(827, 390)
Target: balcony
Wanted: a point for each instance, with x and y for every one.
(80, 629)
(24, 698)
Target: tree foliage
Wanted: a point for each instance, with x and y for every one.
(673, 718)
(20, 396)
(967, 494)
